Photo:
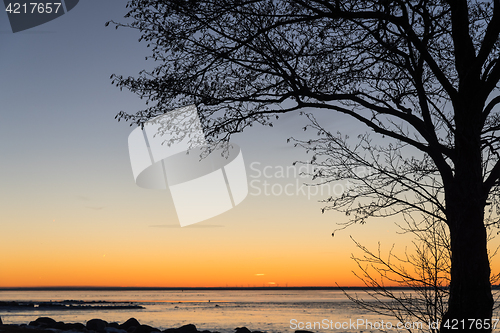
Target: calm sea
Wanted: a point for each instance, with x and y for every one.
(214, 310)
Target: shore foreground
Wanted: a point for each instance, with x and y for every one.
(132, 325)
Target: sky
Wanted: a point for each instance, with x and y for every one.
(72, 215)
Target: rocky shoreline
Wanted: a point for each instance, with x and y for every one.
(132, 325)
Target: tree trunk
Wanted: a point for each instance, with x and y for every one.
(471, 302)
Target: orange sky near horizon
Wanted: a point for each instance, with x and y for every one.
(227, 250)
(230, 256)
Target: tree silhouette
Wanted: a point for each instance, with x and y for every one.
(421, 73)
(424, 273)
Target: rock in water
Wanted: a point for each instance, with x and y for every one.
(242, 330)
(43, 322)
(114, 325)
(189, 328)
(97, 325)
(132, 322)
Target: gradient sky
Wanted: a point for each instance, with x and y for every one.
(71, 214)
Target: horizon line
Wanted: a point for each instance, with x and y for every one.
(129, 288)
(167, 288)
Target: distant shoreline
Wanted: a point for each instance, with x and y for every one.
(72, 305)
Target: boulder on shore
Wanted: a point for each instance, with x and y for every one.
(112, 329)
(242, 330)
(43, 322)
(189, 328)
(132, 322)
(97, 325)
(132, 325)
(144, 329)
